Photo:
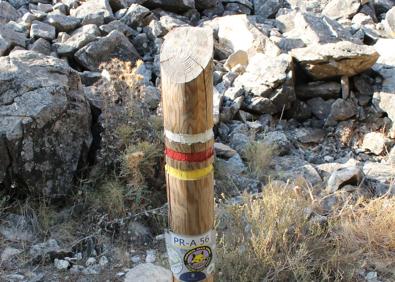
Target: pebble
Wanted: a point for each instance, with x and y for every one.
(151, 256)
(103, 261)
(136, 259)
(61, 264)
(90, 261)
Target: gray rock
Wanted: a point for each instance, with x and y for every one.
(9, 38)
(270, 78)
(267, 8)
(389, 23)
(300, 111)
(9, 253)
(96, 19)
(238, 32)
(45, 124)
(341, 8)
(148, 272)
(155, 29)
(325, 90)
(223, 150)
(18, 3)
(205, 4)
(342, 177)
(335, 59)
(278, 141)
(43, 30)
(320, 108)
(78, 40)
(103, 261)
(45, 8)
(312, 29)
(341, 110)
(92, 7)
(90, 261)
(289, 168)
(61, 264)
(135, 16)
(16, 227)
(239, 57)
(7, 12)
(63, 23)
(42, 249)
(117, 25)
(310, 135)
(380, 172)
(374, 142)
(171, 5)
(41, 46)
(116, 44)
(150, 96)
(384, 98)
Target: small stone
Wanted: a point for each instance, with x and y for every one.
(43, 30)
(90, 261)
(76, 268)
(374, 142)
(135, 259)
(151, 256)
(148, 272)
(9, 253)
(41, 46)
(78, 256)
(342, 177)
(239, 57)
(61, 264)
(223, 150)
(103, 261)
(62, 22)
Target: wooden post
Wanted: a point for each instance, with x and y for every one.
(187, 98)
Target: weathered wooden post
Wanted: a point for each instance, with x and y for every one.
(187, 97)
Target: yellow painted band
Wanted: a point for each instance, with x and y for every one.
(189, 174)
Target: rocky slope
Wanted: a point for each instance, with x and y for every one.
(314, 79)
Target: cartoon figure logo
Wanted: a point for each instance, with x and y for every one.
(198, 258)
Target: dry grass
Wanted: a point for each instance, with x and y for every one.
(259, 157)
(277, 237)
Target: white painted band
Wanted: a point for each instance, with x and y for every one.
(190, 139)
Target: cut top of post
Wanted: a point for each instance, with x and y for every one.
(186, 52)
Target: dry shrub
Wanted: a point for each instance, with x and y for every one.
(276, 238)
(109, 197)
(259, 156)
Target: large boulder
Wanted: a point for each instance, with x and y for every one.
(270, 81)
(389, 23)
(171, 5)
(116, 44)
(312, 29)
(9, 38)
(44, 126)
(267, 8)
(93, 7)
(238, 32)
(341, 8)
(384, 98)
(7, 12)
(335, 59)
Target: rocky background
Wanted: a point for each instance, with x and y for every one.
(312, 80)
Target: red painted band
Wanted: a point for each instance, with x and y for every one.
(190, 157)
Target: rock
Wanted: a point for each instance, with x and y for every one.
(335, 59)
(116, 44)
(267, 8)
(341, 8)
(43, 30)
(384, 98)
(341, 110)
(325, 90)
(205, 4)
(151, 256)
(41, 46)
(103, 261)
(342, 177)
(278, 141)
(320, 108)
(223, 150)
(380, 172)
(150, 96)
(300, 111)
(290, 168)
(9, 38)
(45, 8)
(61, 264)
(92, 7)
(374, 142)
(9, 253)
(63, 23)
(171, 5)
(16, 228)
(7, 13)
(148, 272)
(117, 25)
(135, 16)
(80, 38)
(239, 57)
(18, 3)
(270, 78)
(345, 85)
(45, 124)
(389, 23)
(41, 250)
(238, 32)
(90, 261)
(96, 19)
(313, 29)
(310, 135)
